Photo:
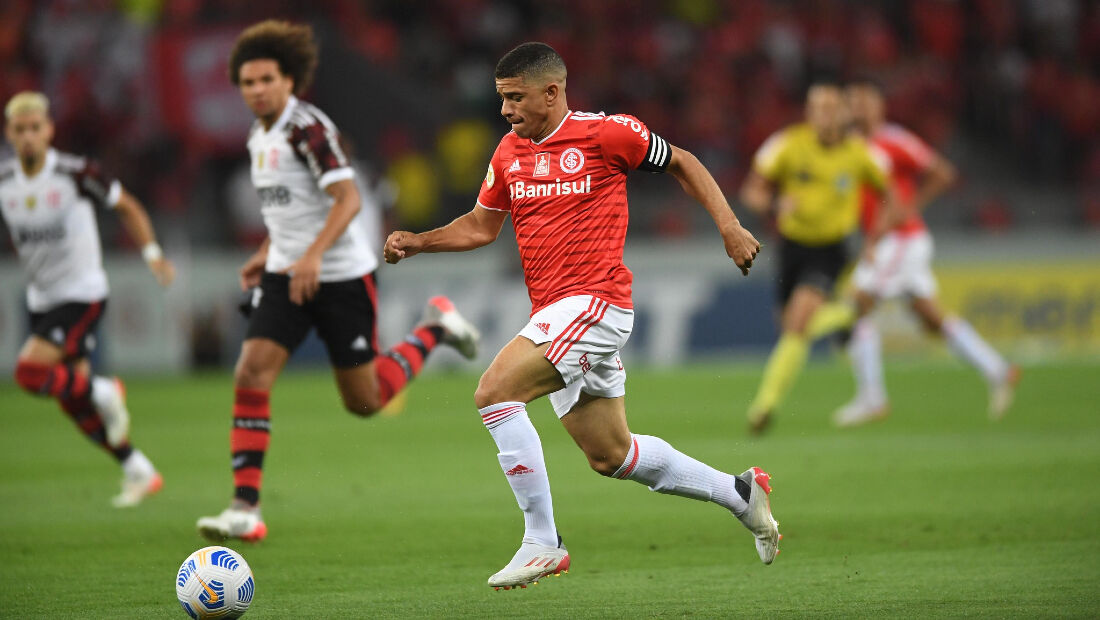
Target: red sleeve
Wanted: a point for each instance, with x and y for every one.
(913, 152)
(494, 192)
(628, 144)
(319, 148)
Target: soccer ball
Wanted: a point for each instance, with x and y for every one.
(215, 582)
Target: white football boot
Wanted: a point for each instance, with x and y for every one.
(457, 331)
(758, 516)
(109, 400)
(245, 524)
(139, 480)
(531, 563)
(860, 411)
(1001, 393)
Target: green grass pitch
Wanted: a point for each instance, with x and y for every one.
(933, 512)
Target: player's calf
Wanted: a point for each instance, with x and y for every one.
(363, 403)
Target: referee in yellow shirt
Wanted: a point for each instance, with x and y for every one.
(809, 175)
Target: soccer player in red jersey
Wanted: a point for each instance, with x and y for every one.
(561, 175)
(48, 199)
(901, 264)
(313, 270)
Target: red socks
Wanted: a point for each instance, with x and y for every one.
(400, 364)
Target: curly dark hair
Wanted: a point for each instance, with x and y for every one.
(290, 45)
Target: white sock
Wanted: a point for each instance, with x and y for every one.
(137, 465)
(967, 344)
(865, 351)
(654, 463)
(521, 460)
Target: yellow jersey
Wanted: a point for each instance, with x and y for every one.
(823, 182)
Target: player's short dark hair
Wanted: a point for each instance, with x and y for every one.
(532, 59)
(290, 45)
(867, 81)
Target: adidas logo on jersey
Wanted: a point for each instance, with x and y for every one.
(519, 470)
(359, 344)
(543, 327)
(514, 167)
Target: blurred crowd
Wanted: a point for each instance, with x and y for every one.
(1009, 89)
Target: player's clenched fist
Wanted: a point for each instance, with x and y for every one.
(401, 244)
(741, 246)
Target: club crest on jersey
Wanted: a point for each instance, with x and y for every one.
(542, 165)
(53, 199)
(571, 160)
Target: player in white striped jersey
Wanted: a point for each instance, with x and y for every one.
(313, 270)
(48, 199)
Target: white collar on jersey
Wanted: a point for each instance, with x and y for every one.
(565, 118)
(288, 109)
(47, 167)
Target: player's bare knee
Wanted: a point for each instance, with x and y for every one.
(362, 407)
(361, 401)
(488, 393)
(606, 461)
(253, 373)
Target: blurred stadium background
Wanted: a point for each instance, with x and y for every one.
(936, 512)
(1008, 89)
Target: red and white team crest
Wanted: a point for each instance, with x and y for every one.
(273, 159)
(53, 199)
(542, 165)
(571, 160)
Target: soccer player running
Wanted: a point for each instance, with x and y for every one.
(313, 270)
(809, 175)
(48, 200)
(561, 175)
(901, 264)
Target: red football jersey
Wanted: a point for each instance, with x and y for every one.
(567, 198)
(909, 158)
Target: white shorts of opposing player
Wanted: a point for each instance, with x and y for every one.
(586, 334)
(902, 265)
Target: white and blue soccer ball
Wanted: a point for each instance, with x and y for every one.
(215, 582)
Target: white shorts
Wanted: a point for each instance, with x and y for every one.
(902, 265)
(586, 334)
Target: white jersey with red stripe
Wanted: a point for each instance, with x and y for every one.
(292, 163)
(52, 223)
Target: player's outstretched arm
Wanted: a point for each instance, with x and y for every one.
(137, 224)
(697, 181)
(477, 228)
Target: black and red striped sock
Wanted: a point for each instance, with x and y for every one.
(400, 364)
(84, 415)
(248, 442)
(72, 389)
(61, 381)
